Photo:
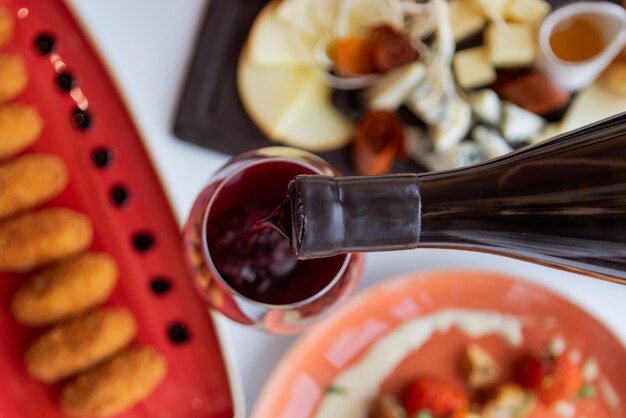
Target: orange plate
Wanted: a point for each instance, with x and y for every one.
(197, 384)
(298, 383)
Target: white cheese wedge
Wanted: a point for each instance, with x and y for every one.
(312, 122)
(297, 13)
(272, 42)
(358, 17)
(519, 125)
(486, 105)
(453, 128)
(511, 46)
(531, 12)
(594, 103)
(491, 141)
(472, 68)
(267, 93)
(395, 87)
(466, 19)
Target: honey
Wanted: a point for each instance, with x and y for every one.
(577, 39)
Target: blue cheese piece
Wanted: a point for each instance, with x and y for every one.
(454, 126)
(486, 105)
(519, 125)
(395, 87)
(531, 12)
(472, 68)
(466, 19)
(491, 141)
(511, 46)
(464, 154)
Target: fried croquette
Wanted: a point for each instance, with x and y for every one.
(20, 126)
(6, 27)
(29, 181)
(65, 289)
(13, 76)
(36, 238)
(80, 343)
(115, 385)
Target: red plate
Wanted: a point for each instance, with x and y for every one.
(197, 383)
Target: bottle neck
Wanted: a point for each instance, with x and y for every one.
(561, 203)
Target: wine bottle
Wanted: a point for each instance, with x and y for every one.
(561, 203)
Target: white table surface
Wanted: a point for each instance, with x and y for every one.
(147, 45)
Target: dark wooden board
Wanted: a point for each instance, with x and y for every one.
(210, 112)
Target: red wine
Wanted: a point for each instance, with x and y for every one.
(255, 261)
(561, 203)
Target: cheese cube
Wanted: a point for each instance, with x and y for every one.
(465, 19)
(472, 68)
(395, 86)
(454, 126)
(519, 125)
(492, 9)
(511, 46)
(531, 12)
(486, 104)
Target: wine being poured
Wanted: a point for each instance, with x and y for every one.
(561, 203)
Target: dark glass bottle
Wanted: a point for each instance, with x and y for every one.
(561, 203)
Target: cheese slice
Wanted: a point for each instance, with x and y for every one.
(511, 46)
(472, 68)
(465, 19)
(595, 103)
(312, 122)
(297, 13)
(491, 141)
(272, 42)
(395, 87)
(268, 93)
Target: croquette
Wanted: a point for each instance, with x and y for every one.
(65, 289)
(13, 76)
(39, 237)
(29, 181)
(6, 27)
(116, 385)
(20, 126)
(80, 343)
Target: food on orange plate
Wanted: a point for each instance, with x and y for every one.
(510, 401)
(479, 367)
(13, 76)
(79, 343)
(6, 27)
(115, 385)
(29, 181)
(20, 126)
(379, 139)
(36, 238)
(440, 398)
(65, 289)
(551, 378)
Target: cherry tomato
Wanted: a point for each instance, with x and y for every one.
(552, 379)
(440, 398)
